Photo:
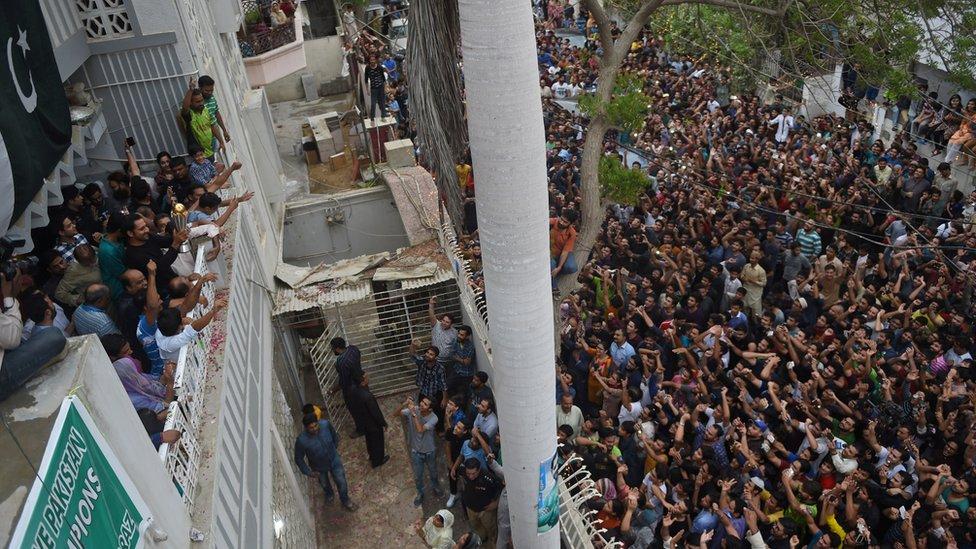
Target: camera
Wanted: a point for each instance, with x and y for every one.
(8, 264)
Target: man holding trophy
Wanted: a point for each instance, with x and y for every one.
(142, 247)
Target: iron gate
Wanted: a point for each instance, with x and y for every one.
(382, 326)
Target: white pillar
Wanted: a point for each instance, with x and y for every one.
(508, 153)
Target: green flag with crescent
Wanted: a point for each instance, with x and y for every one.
(35, 129)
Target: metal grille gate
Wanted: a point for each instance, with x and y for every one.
(382, 326)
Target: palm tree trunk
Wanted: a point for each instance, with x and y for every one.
(508, 153)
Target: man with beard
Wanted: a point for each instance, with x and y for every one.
(142, 247)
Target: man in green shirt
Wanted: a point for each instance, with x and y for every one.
(210, 102)
(201, 127)
(111, 254)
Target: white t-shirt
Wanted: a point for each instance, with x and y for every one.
(169, 346)
(783, 124)
(630, 415)
(561, 90)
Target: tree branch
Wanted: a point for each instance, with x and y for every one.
(733, 5)
(602, 24)
(633, 28)
(935, 43)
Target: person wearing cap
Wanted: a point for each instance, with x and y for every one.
(480, 497)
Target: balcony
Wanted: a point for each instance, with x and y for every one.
(270, 52)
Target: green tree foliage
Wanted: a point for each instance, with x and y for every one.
(883, 38)
(627, 107)
(621, 184)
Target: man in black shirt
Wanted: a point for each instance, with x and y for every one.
(142, 246)
(376, 77)
(480, 498)
(349, 367)
(366, 412)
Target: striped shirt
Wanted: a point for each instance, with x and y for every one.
(810, 245)
(92, 320)
(147, 336)
(785, 240)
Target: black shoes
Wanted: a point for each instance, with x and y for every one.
(384, 460)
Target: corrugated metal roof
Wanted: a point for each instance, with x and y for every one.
(440, 276)
(289, 300)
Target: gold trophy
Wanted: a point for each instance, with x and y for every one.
(179, 221)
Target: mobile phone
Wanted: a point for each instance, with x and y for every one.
(130, 142)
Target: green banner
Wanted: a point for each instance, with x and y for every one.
(86, 499)
(35, 128)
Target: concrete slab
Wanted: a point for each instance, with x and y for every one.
(417, 200)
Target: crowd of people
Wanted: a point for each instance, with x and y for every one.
(772, 347)
(117, 261)
(369, 57)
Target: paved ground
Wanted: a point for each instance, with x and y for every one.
(385, 495)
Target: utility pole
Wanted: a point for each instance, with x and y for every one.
(507, 138)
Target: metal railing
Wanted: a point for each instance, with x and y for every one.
(578, 528)
(181, 459)
(323, 360)
(270, 38)
(473, 300)
(382, 325)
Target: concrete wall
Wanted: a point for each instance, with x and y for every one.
(821, 94)
(939, 82)
(324, 59)
(31, 413)
(371, 225)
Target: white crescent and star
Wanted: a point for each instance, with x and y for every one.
(28, 101)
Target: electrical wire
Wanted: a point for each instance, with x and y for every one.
(755, 71)
(866, 237)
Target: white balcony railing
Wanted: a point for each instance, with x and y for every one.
(578, 528)
(182, 458)
(472, 299)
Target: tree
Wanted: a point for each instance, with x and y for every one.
(881, 37)
(508, 153)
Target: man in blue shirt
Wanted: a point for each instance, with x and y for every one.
(317, 456)
(463, 367)
(621, 350)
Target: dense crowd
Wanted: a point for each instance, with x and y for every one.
(772, 347)
(117, 261)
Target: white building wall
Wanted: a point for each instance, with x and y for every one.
(88, 373)
(141, 75)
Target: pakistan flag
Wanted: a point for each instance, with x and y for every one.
(35, 129)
